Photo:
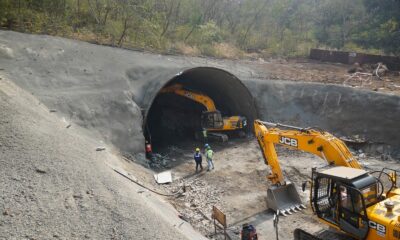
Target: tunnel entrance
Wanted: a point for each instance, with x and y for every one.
(173, 118)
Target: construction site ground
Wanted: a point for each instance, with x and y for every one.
(238, 185)
(60, 100)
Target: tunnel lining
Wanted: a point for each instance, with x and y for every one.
(231, 96)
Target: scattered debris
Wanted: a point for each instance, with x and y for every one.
(160, 161)
(77, 196)
(358, 79)
(353, 139)
(196, 202)
(164, 177)
(40, 170)
(385, 157)
(355, 68)
(129, 176)
(380, 70)
(100, 149)
(53, 110)
(68, 126)
(183, 218)
(6, 212)
(89, 192)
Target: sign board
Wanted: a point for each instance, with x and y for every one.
(219, 216)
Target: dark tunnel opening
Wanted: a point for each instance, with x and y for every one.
(172, 119)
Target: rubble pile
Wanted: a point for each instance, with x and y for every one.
(196, 202)
(160, 161)
(362, 75)
(163, 161)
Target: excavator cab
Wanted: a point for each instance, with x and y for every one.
(340, 196)
(212, 120)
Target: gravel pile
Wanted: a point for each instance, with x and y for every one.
(196, 202)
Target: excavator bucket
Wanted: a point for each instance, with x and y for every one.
(284, 198)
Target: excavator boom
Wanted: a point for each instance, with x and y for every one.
(204, 100)
(282, 195)
(320, 143)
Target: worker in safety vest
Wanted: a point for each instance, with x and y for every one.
(209, 156)
(205, 138)
(198, 159)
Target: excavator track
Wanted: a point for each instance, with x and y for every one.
(300, 234)
(220, 137)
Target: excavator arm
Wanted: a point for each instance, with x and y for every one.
(283, 195)
(322, 144)
(204, 100)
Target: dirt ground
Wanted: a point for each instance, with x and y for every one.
(306, 70)
(238, 186)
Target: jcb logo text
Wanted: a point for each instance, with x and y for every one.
(288, 141)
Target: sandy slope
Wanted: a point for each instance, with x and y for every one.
(53, 184)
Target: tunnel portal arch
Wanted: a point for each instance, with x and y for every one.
(170, 116)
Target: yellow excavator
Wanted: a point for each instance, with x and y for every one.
(211, 119)
(354, 202)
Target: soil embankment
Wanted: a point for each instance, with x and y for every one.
(54, 184)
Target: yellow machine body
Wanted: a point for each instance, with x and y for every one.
(374, 214)
(212, 120)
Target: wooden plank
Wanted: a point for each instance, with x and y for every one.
(219, 216)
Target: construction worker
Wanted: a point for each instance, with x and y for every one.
(205, 139)
(209, 156)
(149, 151)
(198, 159)
(248, 232)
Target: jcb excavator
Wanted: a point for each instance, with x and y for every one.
(211, 119)
(343, 195)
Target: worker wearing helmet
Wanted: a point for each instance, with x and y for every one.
(209, 156)
(198, 159)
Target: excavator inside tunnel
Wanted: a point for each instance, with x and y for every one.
(182, 109)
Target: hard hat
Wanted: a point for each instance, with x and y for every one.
(197, 149)
(206, 145)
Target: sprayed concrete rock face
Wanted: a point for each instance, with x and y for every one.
(6, 52)
(111, 91)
